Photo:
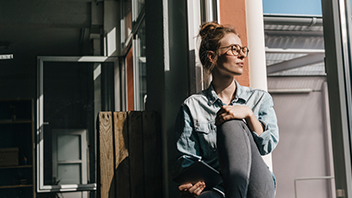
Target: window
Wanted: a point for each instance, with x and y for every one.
(338, 59)
(140, 73)
(126, 23)
(134, 41)
(69, 156)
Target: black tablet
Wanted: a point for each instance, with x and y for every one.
(199, 171)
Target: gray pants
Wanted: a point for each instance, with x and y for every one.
(243, 170)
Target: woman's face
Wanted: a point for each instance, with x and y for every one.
(228, 64)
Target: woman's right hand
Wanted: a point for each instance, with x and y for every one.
(191, 190)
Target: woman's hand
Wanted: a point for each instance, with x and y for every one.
(239, 112)
(232, 112)
(192, 190)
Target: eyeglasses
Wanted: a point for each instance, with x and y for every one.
(237, 50)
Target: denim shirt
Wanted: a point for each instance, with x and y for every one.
(196, 129)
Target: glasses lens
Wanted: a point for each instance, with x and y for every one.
(237, 50)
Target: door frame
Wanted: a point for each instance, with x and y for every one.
(41, 187)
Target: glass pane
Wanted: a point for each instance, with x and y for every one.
(141, 67)
(139, 6)
(73, 94)
(69, 174)
(69, 148)
(127, 16)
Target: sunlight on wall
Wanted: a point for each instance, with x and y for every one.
(97, 72)
(111, 42)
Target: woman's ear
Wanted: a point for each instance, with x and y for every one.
(211, 56)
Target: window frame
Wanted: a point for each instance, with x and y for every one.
(338, 58)
(128, 42)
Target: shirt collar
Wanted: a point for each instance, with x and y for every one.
(241, 94)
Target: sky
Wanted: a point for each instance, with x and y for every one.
(301, 7)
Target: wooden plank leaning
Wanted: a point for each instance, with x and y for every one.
(122, 161)
(106, 156)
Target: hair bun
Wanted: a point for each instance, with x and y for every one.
(208, 28)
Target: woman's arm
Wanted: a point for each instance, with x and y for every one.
(187, 145)
(187, 151)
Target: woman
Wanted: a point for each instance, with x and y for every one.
(228, 126)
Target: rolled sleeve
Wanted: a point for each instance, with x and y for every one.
(269, 139)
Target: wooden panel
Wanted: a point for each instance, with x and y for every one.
(152, 153)
(121, 137)
(136, 154)
(122, 164)
(106, 155)
(135, 166)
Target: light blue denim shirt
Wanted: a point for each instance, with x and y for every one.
(196, 129)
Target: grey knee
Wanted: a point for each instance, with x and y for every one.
(232, 125)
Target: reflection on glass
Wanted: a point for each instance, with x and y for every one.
(127, 18)
(139, 7)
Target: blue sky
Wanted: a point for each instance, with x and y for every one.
(305, 7)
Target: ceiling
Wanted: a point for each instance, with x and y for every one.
(42, 27)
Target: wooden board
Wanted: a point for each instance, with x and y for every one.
(152, 153)
(130, 155)
(122, 161)
(121, 137)
(136, 153)
(106, 155)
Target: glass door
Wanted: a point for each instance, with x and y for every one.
(71, 93)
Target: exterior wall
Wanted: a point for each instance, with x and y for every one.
(305, 149)
(234, 13)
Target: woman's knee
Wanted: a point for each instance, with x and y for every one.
(232, 125)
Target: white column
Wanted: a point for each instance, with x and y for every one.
(255, 38)
(256, 45)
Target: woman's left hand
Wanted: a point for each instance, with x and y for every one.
(232, 112)
(192, 190)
